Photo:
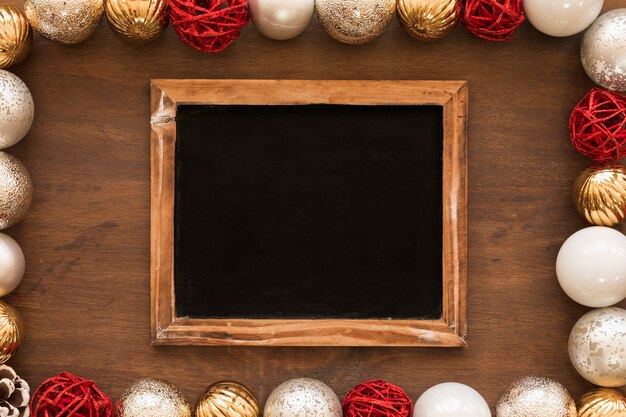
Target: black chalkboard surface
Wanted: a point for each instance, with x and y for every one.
(308, 211)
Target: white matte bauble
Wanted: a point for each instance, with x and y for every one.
(281, 19)
(597, 347)
(303, 397)
(603, 50)
(17, 109)
(591, 266)
(562, 17)
(11, 264)
(451, 399)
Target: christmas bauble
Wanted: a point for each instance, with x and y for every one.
(591, 266)
(429, 20)
(603, 50)
(493, 20)
(355, 21)
(281, 19)
(451, 399)
(602, 402)
(536, 397)
(64, 21)
(227, 399)
(596, 347)
(302, 397)
(67, 395)
(377, 398)
(16, 190)
(562, 17)
(11, 264)
(16, 36)
(137, 21)
(17, 110)
(152, 397)
(11, 331)
(600, 194)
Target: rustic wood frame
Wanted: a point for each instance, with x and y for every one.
(449, 331)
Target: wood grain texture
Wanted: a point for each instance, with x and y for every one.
(169, 329)
(86, 294)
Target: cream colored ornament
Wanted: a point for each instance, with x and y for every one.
(281, 19)
(64, 21)
(11, 264)
(17, 109)
(355, 21)
(597, 347)
(536, 397)
(562, 17)
(302, 397)
(16, 190)
(602, 402)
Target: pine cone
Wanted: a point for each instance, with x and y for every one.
(14, 394)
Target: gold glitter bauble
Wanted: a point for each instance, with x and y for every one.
(11, 331)
(137, 21)
(355, 21)
(536, 397)
(600, 194)
(227, 399)
(429, 20)
(16, 190)
(64, 21)
(602, 402)
(16, 36)
(152, 398)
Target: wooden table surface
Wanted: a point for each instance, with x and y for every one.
(85, 296)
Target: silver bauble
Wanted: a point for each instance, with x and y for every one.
(355, 21)
(603, 51)
(302, 397)
(17, 109)
(150, 397)
(16, 190)
(11, 264)
(536, 397)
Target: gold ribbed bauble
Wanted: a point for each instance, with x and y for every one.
(150, 397)
(16, 36)
(137, 21)
(429, 20)
(355, 21)
(11, 331)
(227, 399)
(600, 194)
(16, 190)
(64, 21)
(602, 402)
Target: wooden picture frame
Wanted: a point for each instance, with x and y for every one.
(449, 331)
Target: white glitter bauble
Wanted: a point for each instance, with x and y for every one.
(17, 109)
(536, 397)
(355, 21)
(597, 347)
(281, 19)
(603, 51)
(302, 397)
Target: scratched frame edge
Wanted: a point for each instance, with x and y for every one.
(167, 329)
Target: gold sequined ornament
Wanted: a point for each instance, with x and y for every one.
(536, 397)
(600, 194)
(429, 20)
(137, 21)
(152, 398)
(16, 190)
(64, 21)
(16, 36)
(227, 399)
(602, 402)
(355, 21)
(11, 331)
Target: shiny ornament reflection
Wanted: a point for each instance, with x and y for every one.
(355, 21)
(600, 194)
(429, 20)
(150, 398)
(602, 402)
(562, 17)
(11, 331)
(11, 264)
(281, 19)
(16, 36)
(64, 21)
(536, 397)
(16, 190)
(302, 397)
(137, 21)
(596, 347)
(451, 399)
(591, 266)
(17, 109)
(603, 51)
(227, 399)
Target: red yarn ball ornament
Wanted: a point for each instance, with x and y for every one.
(494, 20)
(377, 399)
(67, 395)
(598, 125)
(209, 25)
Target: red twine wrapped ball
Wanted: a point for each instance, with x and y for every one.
(377, 399)
(494, 20)
(209, 25)
(597, 125)
(67, 395)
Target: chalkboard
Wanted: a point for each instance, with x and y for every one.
(313, 214)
